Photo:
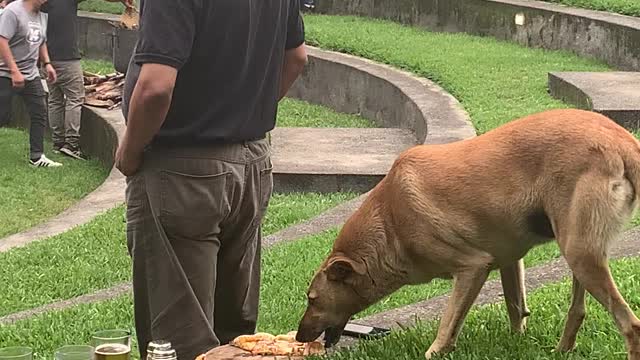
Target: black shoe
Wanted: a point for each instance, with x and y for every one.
(308, 5)
(72, 152)
(57, 147)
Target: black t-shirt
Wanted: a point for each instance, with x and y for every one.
(229, 56)
(62, 34)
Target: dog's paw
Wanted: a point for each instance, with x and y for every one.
(564, 346)
(437, 350)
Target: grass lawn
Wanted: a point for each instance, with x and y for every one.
(94, 256)
(101, 67)
(297, 113)
(101, 6)
(495, 81)
(486, 333)
(31, 195)
(625, 7)
(485, 336)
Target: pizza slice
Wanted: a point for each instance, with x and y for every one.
(281, 345)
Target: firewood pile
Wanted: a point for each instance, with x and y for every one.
(103, 91)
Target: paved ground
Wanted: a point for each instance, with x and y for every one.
(338, 151)
(614, 94)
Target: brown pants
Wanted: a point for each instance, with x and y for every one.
(193, 230)
(66, 97)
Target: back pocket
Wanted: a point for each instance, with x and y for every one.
(193, 206)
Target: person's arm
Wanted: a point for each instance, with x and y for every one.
(165, 38)
(44, 59)
(7, 56)
(294, 62)
(295, 57)
(149, 105)
(8, 26)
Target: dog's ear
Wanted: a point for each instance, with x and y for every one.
(340, 268)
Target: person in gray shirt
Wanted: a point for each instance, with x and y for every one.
(23, 30)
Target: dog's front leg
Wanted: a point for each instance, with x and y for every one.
(466, 287)
(515, 295)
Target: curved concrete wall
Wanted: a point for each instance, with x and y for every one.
(389, 97)
(612, 38)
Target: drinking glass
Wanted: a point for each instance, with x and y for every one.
(74, 352)
(112, 345)
(16, 353)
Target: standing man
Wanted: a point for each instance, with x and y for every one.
(201, 93)
(66, 96)
(23, 31)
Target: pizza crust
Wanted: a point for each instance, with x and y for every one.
(265, 344)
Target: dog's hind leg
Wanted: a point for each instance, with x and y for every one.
(466, 287)
(575, 317)
(515, 295)
(598, 211)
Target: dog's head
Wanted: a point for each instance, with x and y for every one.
(338, 291)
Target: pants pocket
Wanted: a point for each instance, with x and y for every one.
(266, 188)
(193, 206)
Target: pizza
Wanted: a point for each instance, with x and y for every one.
(281, 345)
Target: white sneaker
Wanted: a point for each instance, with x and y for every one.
(44, 162)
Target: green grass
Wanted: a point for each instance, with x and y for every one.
(495, 81)
(625, 7)
(101, 6)
(94, 256)
(485, 335)
(296, 113)
(101, 67)
(30, 195)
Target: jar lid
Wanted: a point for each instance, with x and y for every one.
(159, 344)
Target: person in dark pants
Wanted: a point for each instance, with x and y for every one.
(22, 43)
(66, 95)
(201, 93)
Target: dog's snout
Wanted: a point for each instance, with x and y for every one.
(307, 334)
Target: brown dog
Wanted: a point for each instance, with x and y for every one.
(463, 209)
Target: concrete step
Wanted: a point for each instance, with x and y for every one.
(613, 94)
(335, 159)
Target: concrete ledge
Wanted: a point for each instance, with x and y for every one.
(390, 97)
(614, 94)
(612, 38)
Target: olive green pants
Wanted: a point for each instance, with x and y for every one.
(193, 230)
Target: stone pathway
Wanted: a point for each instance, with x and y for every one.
(613, 94)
